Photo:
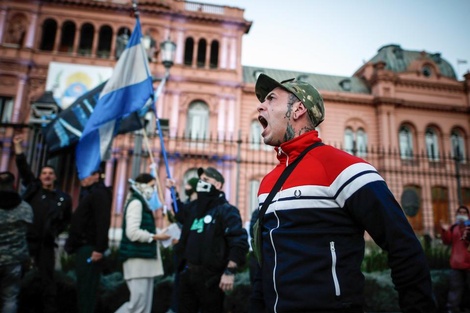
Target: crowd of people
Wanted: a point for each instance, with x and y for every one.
(307, 235)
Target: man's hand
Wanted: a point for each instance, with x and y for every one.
(226, 282)
(96, 256)
(444, 226)
(17, 140)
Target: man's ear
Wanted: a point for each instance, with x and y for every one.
(218, 185)
(300, 110)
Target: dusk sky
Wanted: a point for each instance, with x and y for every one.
(336, 36)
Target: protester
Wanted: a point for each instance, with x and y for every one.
(139, 249)
(15, 215)
(88, 238)
(191, 194)
(52, 209)
(213, 242)
(312, 234)
(458, 236)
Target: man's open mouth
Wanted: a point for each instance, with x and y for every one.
(263, 121)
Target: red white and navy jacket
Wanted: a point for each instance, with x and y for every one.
(313, 235)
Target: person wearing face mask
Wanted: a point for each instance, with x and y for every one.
(138, 249)
(457, 236)
(213, 245)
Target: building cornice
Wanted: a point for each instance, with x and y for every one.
(419, 105)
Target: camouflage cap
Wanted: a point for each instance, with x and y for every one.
(211, 172)
(306, 93)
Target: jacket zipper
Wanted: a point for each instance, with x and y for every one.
(333, 268)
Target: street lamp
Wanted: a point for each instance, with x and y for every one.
(168, 49)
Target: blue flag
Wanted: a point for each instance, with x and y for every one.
(126, 91)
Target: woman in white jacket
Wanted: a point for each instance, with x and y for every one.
(139, 249)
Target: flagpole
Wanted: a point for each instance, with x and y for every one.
(147, 144)
(162, 142)
(160, 133)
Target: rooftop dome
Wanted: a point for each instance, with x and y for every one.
(398, 59)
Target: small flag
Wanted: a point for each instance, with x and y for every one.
(126, 91)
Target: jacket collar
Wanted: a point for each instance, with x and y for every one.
(288, 151)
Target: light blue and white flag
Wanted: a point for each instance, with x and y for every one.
(126, 91)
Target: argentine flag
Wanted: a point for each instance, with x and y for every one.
(126, 91)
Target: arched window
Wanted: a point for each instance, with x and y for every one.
(355, 142)
(256, 142)
(188, 51)
(104, 42)
(214, 60)
(49, 31)
(201, 53)
(86, 39)
(67, 37)
(458, 148)
(361, 141)
(405, 137)
(198, 121)
(432, 144)
(348, 140)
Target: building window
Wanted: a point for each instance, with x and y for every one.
(67, 38)
(86, 39)
(406, 142)
(214, 59)
(6, 109)
(198, 121)
(355, 142)
(458, 145)
(256, 142)
(432, 144)
(201, 53)
(49, 31)
(349, 141)
(104, 42)
(188, 51)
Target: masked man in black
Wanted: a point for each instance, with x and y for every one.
(213, 244)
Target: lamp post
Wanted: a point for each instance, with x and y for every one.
(168, 49)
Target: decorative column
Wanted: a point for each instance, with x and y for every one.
(180, 47)
(221, 118)
(174, 114)
(94, 45)
(19, 98)
(3, 17)
(233, 54)
(223, 53)
(31, 31)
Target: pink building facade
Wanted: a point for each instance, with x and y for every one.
(404, 111)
